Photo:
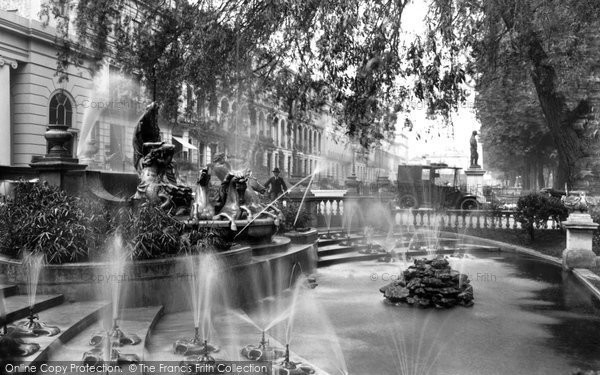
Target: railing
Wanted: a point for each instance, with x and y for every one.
(463, 219)
(359, 211)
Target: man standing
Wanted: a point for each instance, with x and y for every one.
(277, 185)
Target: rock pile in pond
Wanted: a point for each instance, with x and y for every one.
(430, 283)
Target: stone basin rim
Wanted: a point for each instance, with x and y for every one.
(141, 262)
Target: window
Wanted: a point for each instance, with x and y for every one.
(61, 110)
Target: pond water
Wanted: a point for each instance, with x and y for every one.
(529, 318)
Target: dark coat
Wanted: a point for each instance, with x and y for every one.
(278, 186)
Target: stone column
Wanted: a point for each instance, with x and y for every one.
(580, 232)
(5, 126)
(475, 181)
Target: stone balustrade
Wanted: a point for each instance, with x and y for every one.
(356, 211)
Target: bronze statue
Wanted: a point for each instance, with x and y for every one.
(153, 162)
(146, 132)
(474, 154)
(238, 198)
(202, 209)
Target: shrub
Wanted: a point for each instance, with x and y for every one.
(44, 219)
(290, 210)
(149, 231)
(534, 210)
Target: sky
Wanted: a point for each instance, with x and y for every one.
(431, 137)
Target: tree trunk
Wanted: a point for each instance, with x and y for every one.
(525, 177)
(558, 117)
(540, 173)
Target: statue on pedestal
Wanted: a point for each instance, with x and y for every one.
(474, 154)
(152, 159)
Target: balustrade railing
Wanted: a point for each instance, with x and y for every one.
(358, 211)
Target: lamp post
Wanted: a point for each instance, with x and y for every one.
(351, 181)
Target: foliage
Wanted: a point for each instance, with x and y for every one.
(149, 231)
(514, 134)
(44, 219)
(65, 228)
(290, 210)
(550, 40)
(534, 210)
(595, 213)
(345, 57)
(204, 239)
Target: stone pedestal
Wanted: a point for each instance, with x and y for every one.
(351, 184)
(58, 167)
(580, 230)
(383, 182)
(475, 180)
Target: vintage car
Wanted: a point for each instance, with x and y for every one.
(432, 186)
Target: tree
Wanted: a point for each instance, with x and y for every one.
(514, 134)
(554, 42)
(347, 54)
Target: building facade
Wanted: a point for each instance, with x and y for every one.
(101, 110)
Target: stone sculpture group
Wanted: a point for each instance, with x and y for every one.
(237, 197)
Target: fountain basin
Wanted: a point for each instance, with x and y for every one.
(530, 317)
(153, 282)
(260, 231)
(303, 237)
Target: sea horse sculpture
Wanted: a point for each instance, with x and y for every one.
(248, 206)
(252, 200)
(153, 160)
(233, 189)
(202, 209)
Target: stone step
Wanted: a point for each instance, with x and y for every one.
(8, 290)
(17, 307)
(138, 321)
(72, 319)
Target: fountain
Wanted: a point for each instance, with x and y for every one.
(203, 278)
(107, 341)
(327, 211)
(372, 247)
(30, 327)
(350, 210)
(282, 364)
(11, 345)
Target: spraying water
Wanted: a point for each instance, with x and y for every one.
(116, 269)
(327, 211)
(33, 264)
(103, 106)
(312, 177)
(298, 287)
(203, 274)
(2, 312)
(271, 204)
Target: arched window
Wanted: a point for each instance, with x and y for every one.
(61, 110)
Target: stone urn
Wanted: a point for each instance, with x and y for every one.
(580, 231)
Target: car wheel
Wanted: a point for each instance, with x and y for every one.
(408, 201)
(469, 204)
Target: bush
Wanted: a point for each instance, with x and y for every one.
(289, 213)
(534, 210)
(44, 219)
